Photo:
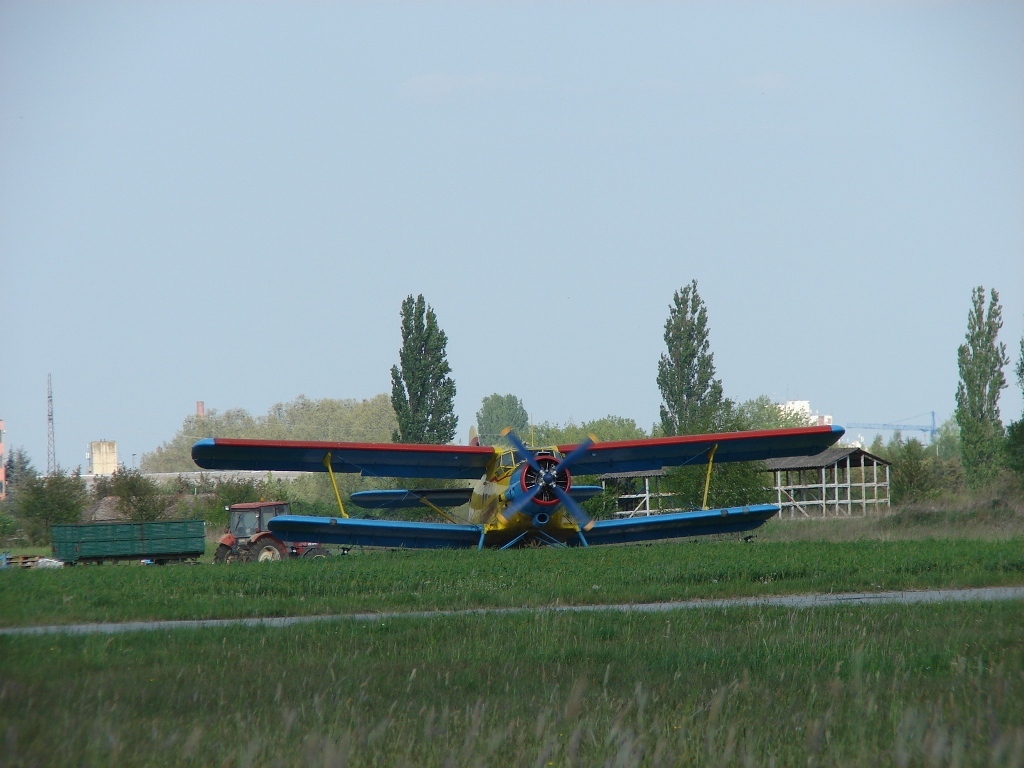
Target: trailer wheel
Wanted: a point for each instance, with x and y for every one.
(266, 551)
(221, 555)
(316, 553)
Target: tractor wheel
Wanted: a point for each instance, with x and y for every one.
(316, 553)
(265, 551)
(221, 555)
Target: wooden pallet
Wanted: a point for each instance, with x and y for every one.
(22, 561)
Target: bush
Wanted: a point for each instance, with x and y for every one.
(42, 502)
(138, 497)
(1014, 447)
(8, 526)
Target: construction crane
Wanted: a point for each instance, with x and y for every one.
(931, 431)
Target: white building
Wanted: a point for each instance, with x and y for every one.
(101, 458)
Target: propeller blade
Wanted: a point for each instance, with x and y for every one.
(520, 501)
(513, 438)
(584, 522)
(577, 452)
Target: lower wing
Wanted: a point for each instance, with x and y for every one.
(375, 533)
(681, 525)
(442, 497)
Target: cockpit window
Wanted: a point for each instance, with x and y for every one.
(508, 460)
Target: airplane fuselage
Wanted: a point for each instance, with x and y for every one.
(503, 482)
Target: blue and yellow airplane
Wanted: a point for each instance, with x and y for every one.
(521, 496)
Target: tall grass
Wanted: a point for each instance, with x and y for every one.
(995, 512)
(427, 580)
(885, 685)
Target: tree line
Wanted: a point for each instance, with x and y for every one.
(973, 449)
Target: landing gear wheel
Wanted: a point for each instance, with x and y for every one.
(266, 551)
(221, 555)
(316, 553)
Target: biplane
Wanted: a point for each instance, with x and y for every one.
(520, 496)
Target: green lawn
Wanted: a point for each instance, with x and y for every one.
(854, 685)
(416, 580)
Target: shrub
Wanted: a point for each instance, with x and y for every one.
(42, 502)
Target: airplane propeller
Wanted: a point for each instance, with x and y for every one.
(547, 479)
(581, 518)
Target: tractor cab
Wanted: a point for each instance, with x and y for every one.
(248, 538)
(249, 519)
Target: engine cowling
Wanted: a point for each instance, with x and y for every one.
(540, 482)
(549, 476)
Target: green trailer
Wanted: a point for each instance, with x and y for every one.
(163, 541)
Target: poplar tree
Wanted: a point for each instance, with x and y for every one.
(694, 403)
(692, 397)
(981, 360)
(422, 392)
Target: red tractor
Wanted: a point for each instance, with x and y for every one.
(247, 540)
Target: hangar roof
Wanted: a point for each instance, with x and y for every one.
(827, 458)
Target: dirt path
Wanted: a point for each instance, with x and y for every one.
(984, 594)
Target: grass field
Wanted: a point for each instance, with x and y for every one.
(883, 685)
(924, 685)
(993, 521)
(412, 580)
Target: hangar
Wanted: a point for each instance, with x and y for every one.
(842, 481)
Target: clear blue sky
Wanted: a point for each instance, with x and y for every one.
(228, 202)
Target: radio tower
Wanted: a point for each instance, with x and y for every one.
(51, 454)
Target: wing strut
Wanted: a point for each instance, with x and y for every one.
(334, 484)
(707, 480)
(431, 505)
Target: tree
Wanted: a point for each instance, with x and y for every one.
(138, 497)
(1015, 432)
(913, 470)
(422, 392)
(692, 397)
(42, 502)
(604, 429)
(500, 411)
(981, 360)
(694, 402)
(18, 469)
(762, 413)
(358, 421)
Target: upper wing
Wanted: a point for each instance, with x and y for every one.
(658, 452)
(453, 462)
(375, 533)
(680, 525)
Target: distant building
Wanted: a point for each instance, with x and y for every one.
(102, 457)
(803, 408)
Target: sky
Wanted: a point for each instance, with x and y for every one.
(227, 202)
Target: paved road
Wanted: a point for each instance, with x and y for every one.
(986, 594)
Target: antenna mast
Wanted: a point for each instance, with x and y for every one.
(51, 455)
